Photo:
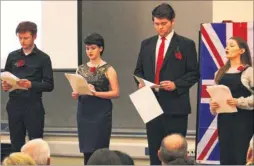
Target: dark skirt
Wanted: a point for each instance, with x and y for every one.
(94, 121)
(235, 132)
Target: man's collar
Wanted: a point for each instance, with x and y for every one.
(170, 35)
(34, 50)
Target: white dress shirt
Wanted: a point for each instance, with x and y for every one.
(167, 42)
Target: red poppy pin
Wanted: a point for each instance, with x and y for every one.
(178, 54)
(241, 68)
(92, 69)
(20, 63)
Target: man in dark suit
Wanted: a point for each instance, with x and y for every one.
(169, 60)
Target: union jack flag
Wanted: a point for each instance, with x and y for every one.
(212, 57)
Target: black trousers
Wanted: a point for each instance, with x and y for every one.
(24, 114)
(235, 132)
(87, 157)
(160, 127)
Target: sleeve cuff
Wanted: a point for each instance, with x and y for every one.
(34, 85)
(240, 101)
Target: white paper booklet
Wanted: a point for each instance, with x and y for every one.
(146, 104)
(12, 80)
(220, 94)
(78, 84)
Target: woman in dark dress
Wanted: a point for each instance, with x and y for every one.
(235, 130)
(94, 115)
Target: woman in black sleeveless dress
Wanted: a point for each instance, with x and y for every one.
(235, 130)
(94, 115)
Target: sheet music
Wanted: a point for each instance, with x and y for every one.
(220, 94)
(78, 84)
(12, 80)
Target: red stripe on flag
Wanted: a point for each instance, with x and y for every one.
(212, 47)
(204, 93)
(208, 145)
(240, 30)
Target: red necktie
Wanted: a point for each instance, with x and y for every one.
(159, 60)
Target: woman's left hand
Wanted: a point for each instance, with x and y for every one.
(232, 102)
(91, 88)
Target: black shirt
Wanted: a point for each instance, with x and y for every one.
(36, 67)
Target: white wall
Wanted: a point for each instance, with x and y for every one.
(236, 11)
(13, 12)
(57, 29)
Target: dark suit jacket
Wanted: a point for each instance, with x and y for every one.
(183, 72)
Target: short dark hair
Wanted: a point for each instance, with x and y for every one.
(96, 39)
(27, 26)
(104, 157)
(168, 155)
(164, 10)
(125, 158)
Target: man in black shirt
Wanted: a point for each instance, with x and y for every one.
(33, 67)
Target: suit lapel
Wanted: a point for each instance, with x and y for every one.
(171, 49)
(153, 54)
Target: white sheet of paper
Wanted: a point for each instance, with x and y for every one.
(78, 84)
(220, 94)
(146, 104)
(12, 80)
(146, 83)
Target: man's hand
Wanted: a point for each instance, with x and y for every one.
(140, 85)
(168, 85)
(6, 86)
(24, 83)
(75, 95)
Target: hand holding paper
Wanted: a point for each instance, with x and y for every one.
(11, 81)
(24, 83)
(220, 95)
(214, 106)
(74, 95)
(144, 82)
(79, 84)
(6, 86)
